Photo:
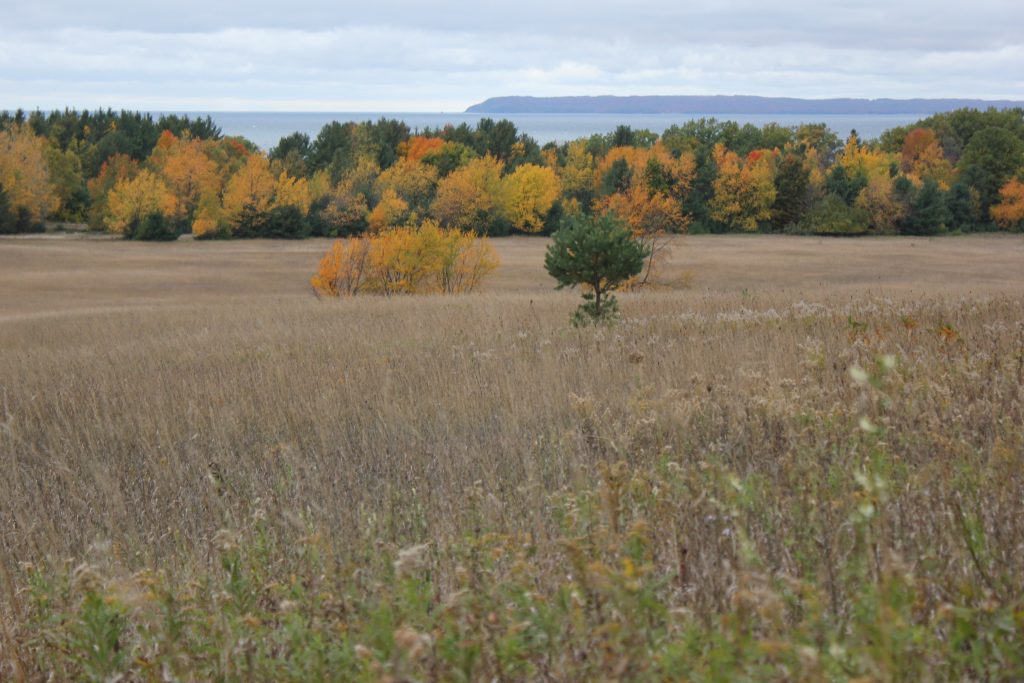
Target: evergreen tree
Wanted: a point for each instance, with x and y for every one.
(599, 253)
(928, 213)
(791, 182)
(963, 208)
(618, 178)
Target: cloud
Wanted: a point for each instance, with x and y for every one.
(398, 55)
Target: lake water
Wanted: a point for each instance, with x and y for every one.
(267, 128)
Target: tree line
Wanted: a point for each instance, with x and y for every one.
(149, 177)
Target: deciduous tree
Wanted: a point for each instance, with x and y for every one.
(469, 197)
(744, 190)
(133, 199)
(528, 193)
(25, 173)
(250, 190)
(1009, 212)
(391, 212)
(412, 180)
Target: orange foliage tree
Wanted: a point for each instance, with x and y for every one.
(25, 174)
(1009, 212)
(922, 158)
(391, 211)
(186, 169)
(647, 197)
(344, 269)
(418, 146)
(650, 216)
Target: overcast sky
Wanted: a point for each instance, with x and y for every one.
(404, 55)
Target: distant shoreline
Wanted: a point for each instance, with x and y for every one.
(727, 104)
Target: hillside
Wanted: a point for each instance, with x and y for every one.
(723, 104)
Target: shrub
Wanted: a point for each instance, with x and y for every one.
(832, 216)
(427, 259)
(286, 222)
(154, 227)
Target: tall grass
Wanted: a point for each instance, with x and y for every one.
(722, 487)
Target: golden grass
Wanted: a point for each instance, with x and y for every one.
(44, 275)
(153, 396)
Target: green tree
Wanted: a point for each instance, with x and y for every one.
(293, 151)
(990, 159)
(844, 184)
(928, 212)
(792, 182)
(154, 227)
(618, 178)
(963, 208)
(598, 253)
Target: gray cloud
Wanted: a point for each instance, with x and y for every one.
(397, 55)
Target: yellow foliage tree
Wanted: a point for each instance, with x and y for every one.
(427, 259)
(135, 198)
(344, 208)
(208, 216)
(24, 172)
(251, 188)
(860, 159)
(879, 203)
(320, 185)
(410, 179)
(468, 259)
(291, 191)
(391, 211)
(528, 193)
(406, 261)
(743, 190)
(577, 175)
(650, 203)
(469, 196)
(674, 175)
(117, 167)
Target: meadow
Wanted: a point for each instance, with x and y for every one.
(798, 459)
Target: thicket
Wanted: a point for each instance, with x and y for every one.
(423, 260)
(950, 172)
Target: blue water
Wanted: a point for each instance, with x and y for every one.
(267, 128)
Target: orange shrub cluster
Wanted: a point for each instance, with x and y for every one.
(423, 260)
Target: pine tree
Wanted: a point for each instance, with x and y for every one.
(599, 253)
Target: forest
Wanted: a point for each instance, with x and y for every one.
(147, 177)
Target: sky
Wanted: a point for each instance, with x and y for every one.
(407, 55)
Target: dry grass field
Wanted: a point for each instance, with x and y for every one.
(47, 275)
(806, 465)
